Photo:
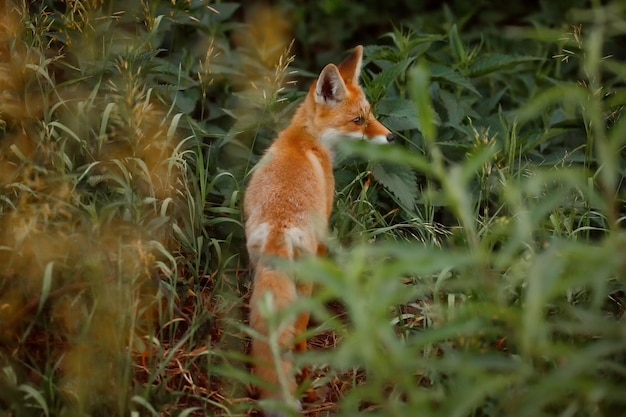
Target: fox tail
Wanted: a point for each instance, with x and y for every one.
(273, 292)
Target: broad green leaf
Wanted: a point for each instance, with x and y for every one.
(398, 124)
(399, 114)
(396, 107)
(400, 181)
(447, 74)
(186, 100)
(486, 64)
(390, 74)
(451, 104)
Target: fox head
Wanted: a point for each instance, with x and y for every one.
(337, 106)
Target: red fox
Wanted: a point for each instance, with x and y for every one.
(288, 203)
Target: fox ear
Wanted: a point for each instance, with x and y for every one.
(350, 69)
(330, 89)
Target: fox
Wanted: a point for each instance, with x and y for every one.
(287, 207)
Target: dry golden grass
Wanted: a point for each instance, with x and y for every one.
(79, 277)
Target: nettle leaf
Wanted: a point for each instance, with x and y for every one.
(399, 181)
(447, 74)
(486, 64)
(396, 106)
(186, 100)
(456, 46)
(398, 124)
(451, 104)
(390, 74)
(372, 52)
(398, 114)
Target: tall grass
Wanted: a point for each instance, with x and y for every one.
(90, 171)
(476, 266)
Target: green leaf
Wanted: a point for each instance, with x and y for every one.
(145, 404)
(386, 78)
(398, 180)
(420, 83)
(188, 411)
(186, 100)
(486, 64)
(225, 10)
(396, 107)
(456, 46)
(451, 104)
(398, 124)
(399, 114)
(31, 392)
(447, 74)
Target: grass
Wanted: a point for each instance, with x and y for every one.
(476, 265)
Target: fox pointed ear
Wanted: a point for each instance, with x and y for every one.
(350, 69)
(330, 89)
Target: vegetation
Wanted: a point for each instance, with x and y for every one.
(477, 265)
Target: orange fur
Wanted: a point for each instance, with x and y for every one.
(289, 201)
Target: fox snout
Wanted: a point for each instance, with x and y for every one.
(376, 132)
(383, 139)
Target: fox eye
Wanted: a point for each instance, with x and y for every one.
(360, 120)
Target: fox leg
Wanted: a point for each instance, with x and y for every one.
(306, 290)
(300, 346)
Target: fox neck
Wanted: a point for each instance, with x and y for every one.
(304, 121)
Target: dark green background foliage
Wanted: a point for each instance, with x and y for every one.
(477, 265)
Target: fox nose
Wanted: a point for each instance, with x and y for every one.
(391, 137)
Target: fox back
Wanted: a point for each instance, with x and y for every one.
(287, 206)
